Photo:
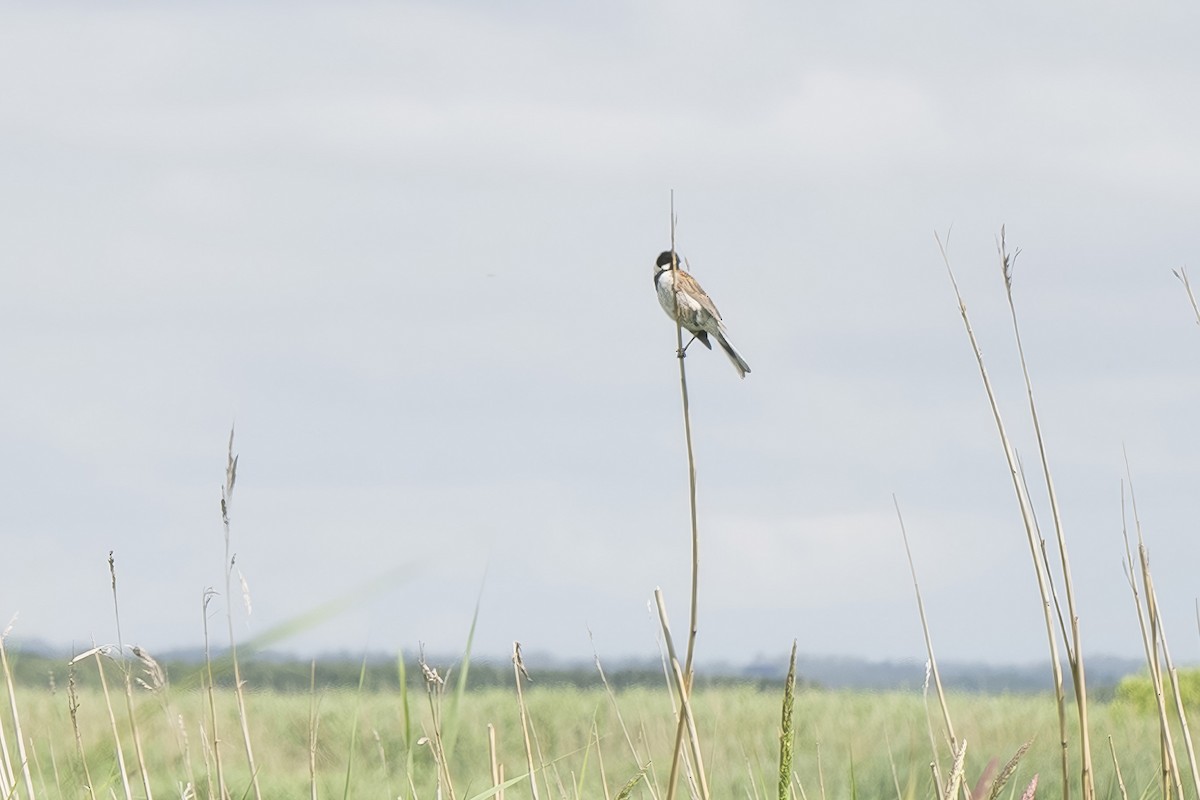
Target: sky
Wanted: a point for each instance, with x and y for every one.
(406, 249)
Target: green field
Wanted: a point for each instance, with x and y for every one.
(590, 743)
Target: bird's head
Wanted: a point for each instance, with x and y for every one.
(664, 261)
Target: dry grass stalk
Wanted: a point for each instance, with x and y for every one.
(8, 779)
(644, 763)
(695, 594)
(1117, 769)
(932, 663)
(73, 708)
(519, 671)
(231, 463)
(435, 688)
(683, 690)
(956, 773)
(98, 652)
(600, 760)
(1148, 624)
(1173, 674)
(1182, 275)
(126, 673)
(212, 742)
(494, 761)
(1074, 644)
(1031, 532)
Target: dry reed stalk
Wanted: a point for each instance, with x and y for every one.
(226, 501)
(644, 764)
(209, 769)
(1031, 533)
(1148, 624)
(9, 774)
(1173, 674)
(933, 668)
(600, 760)
(695, 593)
(518, 671)
(1117, 769)
(956, 772)
(1181, 273)
(494, 761)
(73, 708)
(128, 680)
(1160, 690)
(112, 719)
(187, 754)
(1074, 644)
(212, 741)
(435, 686)
(683, 689)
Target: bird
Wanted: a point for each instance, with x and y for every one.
(682, 298)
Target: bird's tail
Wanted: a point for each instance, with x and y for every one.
(739, 363)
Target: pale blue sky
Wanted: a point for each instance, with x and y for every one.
(408, 248)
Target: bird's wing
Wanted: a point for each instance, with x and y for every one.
(688, 284)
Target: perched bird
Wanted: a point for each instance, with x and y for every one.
(683, 299)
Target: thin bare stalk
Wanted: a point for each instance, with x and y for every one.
(10, 777)
(226, 501)
(435, 689)
(213, 739)
(933, 748)
(519, 670)
(937, 678)
(1173, 674)
(644, 763)
(1117, 769)
(1181, 273)
(98, 652)
(683, 688)
(494, 761)
(73, 707)
(126, 674)
(1031, 533)
(1148, 624)
(1075, 646)
(687, 431)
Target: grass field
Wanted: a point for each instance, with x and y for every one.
(355, 744)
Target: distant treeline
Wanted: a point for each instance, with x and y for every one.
(287, 675)
(34, 665)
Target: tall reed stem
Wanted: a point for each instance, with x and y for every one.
(687, 432)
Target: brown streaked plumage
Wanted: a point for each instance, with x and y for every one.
(682, 298)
